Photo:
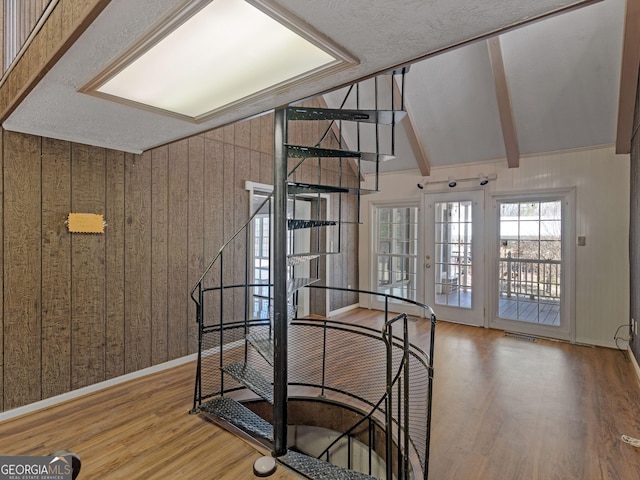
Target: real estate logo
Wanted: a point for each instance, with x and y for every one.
(20, 467)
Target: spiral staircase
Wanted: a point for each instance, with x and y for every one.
(266, 359)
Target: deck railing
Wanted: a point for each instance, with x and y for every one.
(530, 277)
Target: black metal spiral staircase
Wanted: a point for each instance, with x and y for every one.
(271, 343)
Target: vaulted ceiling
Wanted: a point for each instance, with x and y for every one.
(472, 95)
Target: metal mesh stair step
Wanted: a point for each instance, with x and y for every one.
(383, 117)
(297, 259)
(295, 187)
(251, 379)
(297, 283)
(318, 469)
(237, 414)
(263, 345)
(306, 188)
(296, 224)
(298, 151)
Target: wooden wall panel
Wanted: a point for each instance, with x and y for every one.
(266, 168)
(227, 207)
(266, 133)
(213, 215)
(52, 30)
(634, 228)
(242, 134)
(242, 172)
(255, 128)
(195, 232)
(254, 174)
(22, 261)
(138, 263)
(159, 254)
(56, 268)
(115, 267)
(82, 308)
(87, 269)
(2, 322)
(178, 209)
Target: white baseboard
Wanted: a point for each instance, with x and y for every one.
(96, 387)
(342, 310)
(634, 362)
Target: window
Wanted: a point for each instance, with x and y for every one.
(261, 256)
(396, 250)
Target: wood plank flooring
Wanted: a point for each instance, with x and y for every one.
(137, 430)
(503, 409)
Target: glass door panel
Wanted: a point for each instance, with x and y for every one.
(530, 263)
(454, 258)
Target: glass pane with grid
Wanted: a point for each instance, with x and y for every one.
(396, 251)
(530, 261)
(453, 262)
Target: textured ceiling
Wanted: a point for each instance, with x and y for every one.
(562, 72)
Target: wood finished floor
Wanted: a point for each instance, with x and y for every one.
(503, 409)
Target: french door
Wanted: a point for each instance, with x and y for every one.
(533, 267)
(454, 255)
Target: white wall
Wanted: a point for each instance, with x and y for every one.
(601, 182)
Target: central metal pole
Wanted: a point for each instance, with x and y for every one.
(280, 323)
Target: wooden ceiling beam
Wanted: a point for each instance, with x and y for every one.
(504, 102)
(628, 76)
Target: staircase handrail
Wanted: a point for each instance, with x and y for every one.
(366, 417)
(238, 232)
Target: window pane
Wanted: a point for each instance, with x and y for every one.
(396, 255)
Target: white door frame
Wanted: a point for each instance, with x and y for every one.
(394, 306)
(567, 329)
(254, 188)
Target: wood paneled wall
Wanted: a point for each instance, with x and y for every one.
(634, 229)
(83, 308)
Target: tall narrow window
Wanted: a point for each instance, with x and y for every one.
(396, 249)
(261, 259)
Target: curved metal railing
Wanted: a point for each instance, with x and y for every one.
(389, 376)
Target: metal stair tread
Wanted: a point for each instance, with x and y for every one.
(299, 151)
(251, 379)
(298, 283)
(298, 187)
(298, 258)
(297, 224)
(305, 188)
(316, 469)
(263, 344)
(238, 415)
(383, 117)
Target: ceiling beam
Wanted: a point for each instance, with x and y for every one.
(504, 103)
(628, 76)
(417, 147)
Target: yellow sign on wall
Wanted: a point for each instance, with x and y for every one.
(85, 223)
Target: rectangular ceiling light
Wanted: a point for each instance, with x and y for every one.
(226, 53)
